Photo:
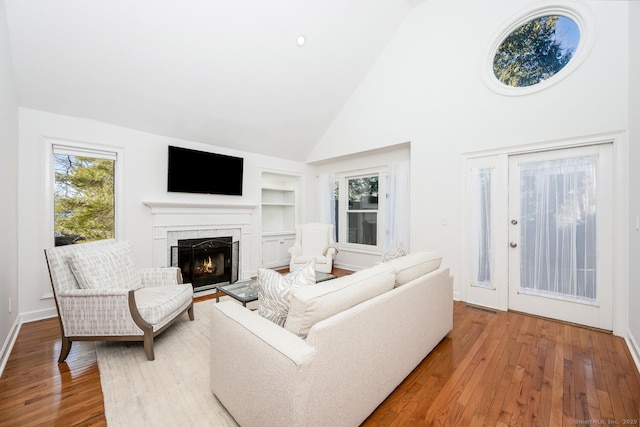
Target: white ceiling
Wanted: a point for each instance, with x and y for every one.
(227, 73)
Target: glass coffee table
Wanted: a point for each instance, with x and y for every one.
(247, 290)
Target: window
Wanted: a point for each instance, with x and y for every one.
(362, 210)
(83, 195)
(536, 50)
(371, 208)
(539, 49)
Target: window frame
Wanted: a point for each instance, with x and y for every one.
(85, 149)
(578, 12)
(342, 180)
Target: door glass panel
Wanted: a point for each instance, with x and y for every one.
(480, 227)
(558, 247)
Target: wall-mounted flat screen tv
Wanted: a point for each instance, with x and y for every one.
(192, 171)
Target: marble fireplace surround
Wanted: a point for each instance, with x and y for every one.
(172, 221)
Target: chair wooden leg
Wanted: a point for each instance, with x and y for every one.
(190, 311)
(64, 349)
(148, 346)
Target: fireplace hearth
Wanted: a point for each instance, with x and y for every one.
(206, 262)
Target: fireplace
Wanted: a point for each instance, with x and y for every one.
(206, 262)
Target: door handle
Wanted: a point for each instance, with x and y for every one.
(513, 244)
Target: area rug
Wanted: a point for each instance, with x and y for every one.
(173, 389)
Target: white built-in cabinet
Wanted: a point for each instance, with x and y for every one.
(279, 210)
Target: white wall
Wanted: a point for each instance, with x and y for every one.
(8, 193)
(634, 176)
(426, 88)
(145, 168)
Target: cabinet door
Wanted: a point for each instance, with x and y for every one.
(287, 242)
(270, 252)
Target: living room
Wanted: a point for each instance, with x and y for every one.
(417, 95)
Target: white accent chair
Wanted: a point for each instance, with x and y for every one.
(101, 295)
(313, 240)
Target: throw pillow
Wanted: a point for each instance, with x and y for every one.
(111, 267)
(310, 305)
(274, 290)
(396, 252)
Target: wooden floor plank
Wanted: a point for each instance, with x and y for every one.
(492, 369)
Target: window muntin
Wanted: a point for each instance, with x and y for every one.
(536, 50)
(84, 195)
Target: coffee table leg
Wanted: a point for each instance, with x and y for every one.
(217, 295)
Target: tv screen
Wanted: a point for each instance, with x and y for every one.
(192, 171)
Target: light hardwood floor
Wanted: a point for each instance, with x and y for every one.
(492, 369)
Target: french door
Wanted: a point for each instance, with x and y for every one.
(560, 227)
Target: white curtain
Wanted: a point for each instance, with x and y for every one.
(326, 205)
(480, 227)
(558, 248)
(398, 205)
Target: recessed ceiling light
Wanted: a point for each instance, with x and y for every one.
(301, 40)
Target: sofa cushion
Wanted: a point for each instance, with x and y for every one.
(109, 267)
(274, 290)
(158, 304)
(416, 264)
(311, 304)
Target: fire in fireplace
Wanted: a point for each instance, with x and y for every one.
(206, 262)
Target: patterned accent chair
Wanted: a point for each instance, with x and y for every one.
(101, 295)
(313, 240)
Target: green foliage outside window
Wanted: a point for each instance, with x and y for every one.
(536, 51)
(83, 199)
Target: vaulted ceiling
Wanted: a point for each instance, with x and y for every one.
(228, 73)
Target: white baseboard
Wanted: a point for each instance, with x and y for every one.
(348, 266)
(634, 349)
(9, 343)
(33, 316)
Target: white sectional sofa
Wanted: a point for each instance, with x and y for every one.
(346, 345)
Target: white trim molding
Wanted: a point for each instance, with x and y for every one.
(9, 343)
(634, 348)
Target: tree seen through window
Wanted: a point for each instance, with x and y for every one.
(536, 51)
(83, 198)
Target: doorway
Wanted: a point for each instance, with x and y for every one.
(541, 240)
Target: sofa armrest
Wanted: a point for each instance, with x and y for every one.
(229, 314)
(161, 276)
(255, 360)
(295, 250)
(96, 312)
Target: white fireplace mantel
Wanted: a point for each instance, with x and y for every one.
(164, 206)
(196, 219)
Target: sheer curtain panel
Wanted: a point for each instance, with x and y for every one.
(558, 228)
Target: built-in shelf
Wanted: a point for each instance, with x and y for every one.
(279, 209)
